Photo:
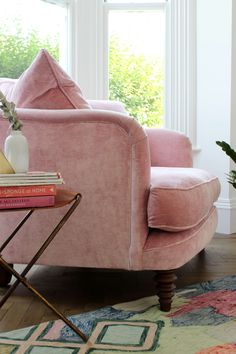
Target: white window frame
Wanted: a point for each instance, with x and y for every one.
(181, 71)
(88, 57)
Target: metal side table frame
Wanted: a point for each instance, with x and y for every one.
(63, 198)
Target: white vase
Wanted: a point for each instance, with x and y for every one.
(16, 151)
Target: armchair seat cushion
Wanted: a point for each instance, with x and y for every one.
(180, 198)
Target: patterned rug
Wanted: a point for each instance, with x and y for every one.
(202, 321)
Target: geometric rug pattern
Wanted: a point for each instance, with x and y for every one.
(202, 321)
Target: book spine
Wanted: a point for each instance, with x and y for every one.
(27, 202)
(27, 191)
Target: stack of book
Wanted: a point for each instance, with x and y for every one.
(25, 190)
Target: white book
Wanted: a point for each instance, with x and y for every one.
(30, 175)
(30, 178)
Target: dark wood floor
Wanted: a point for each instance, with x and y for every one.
(75, 290)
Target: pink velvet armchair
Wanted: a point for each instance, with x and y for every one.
(143, 205)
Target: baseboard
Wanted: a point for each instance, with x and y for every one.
(226, 209)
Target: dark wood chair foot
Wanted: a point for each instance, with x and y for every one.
(165, 284)
(5, 276)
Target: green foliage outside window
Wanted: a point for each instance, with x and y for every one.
(134, 81)
(18, 51)
(138, 83)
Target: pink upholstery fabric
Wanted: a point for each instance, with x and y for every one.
(107, 105)
(169, 148)
(45, 85)
(180, 198)
(6, 86)
(168, 250)
(104, 155)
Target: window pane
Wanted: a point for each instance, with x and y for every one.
(136, 63)
(23, 32)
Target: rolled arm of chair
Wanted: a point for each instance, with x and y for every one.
(169, 148)
(72, 131)
(104, 155)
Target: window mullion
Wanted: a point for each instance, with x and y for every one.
(181, 68)
(87, 57)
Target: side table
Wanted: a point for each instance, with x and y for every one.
(63, 198)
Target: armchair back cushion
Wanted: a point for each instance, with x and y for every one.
(45, 85)
(169, 148)
(107, 105)
(7, 85)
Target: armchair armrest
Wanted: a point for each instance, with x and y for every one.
(104, 155)
(76, 140)
(169, 148)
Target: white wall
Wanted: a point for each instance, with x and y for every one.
(216, 89)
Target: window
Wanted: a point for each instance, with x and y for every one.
(85, 33)
(136, 60)
(27, 29)
(89, 48)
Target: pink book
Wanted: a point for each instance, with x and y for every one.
(27, 202)
(27, 191)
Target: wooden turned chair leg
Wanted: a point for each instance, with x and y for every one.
(165, 284)
(5, 276)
